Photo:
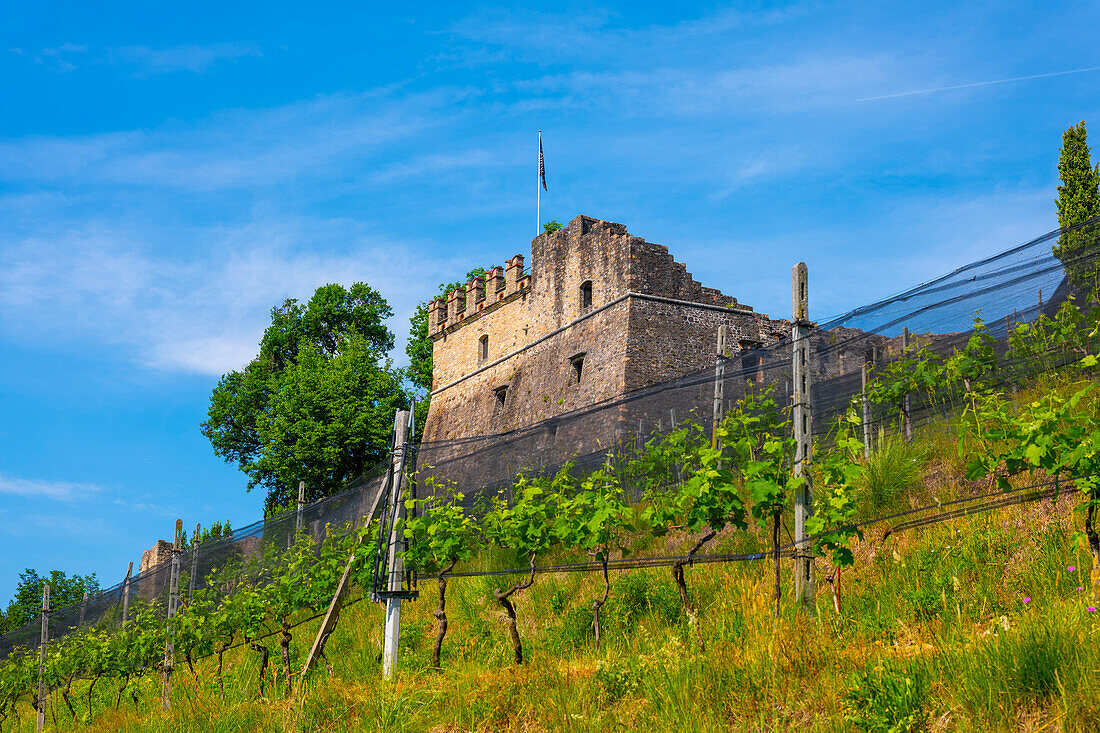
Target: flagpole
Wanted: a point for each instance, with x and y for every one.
(538, 189)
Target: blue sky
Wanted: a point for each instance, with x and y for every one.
(168, 172)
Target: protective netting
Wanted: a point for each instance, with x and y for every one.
(1017, 286)
(151, 588)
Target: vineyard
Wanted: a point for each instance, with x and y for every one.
(953, 532)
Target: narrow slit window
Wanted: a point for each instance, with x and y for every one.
(586, 295)
(750, 361)
(577, 364)
(501, 393)
(483, 348)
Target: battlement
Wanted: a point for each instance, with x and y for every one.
(480, 293)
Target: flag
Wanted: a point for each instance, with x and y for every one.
(542, 167)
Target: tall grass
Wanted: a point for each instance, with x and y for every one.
(891, 472)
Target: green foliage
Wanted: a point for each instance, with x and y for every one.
(976, 362)
(759, 437)
(65, 590)
(1052, 433)
(919, 371)
(215, 531)
(593, 519)
(528, 526)
(835, 495)
(551, 226)
(888, 699)
(617, 679)
(1078, 201)
(1033, 663)
(637, 595)
(317, 401)
(1046, 343)
(440, 534)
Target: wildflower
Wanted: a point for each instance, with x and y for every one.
(1071, 568)
(1027, 599)
(1080, 587)
(1092, 609)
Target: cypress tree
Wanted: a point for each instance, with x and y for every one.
(1078, 200)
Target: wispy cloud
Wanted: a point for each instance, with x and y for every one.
(37, 488)
(194, 58)
(199, 311)
(808, 82)
(972, 85)
(599, 34)
(60, 59)
(238, 148)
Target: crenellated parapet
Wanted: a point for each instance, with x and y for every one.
(476, 295)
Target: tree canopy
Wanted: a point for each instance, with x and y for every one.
(65, 590)
(1078, 201)
(317, 402)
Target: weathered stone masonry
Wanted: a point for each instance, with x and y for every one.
(600, 314)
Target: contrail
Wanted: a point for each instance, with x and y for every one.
(979, 84)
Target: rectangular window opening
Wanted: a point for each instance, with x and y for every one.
(501, 393)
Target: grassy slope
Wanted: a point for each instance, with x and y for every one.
(934, 633)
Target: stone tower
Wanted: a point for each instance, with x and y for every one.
(600, 314)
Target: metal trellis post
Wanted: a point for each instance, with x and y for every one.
(44, 640)
(719, 385)
(803, 434)
(173, 599)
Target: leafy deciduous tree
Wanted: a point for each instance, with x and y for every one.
(317, 402)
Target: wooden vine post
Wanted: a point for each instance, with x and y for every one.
(173, 599)
(194, 564)
(866, 407)
(44, 639)
(126, 593)
(301, 505)
(803, 434)
(908, 405)
(719, 384)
